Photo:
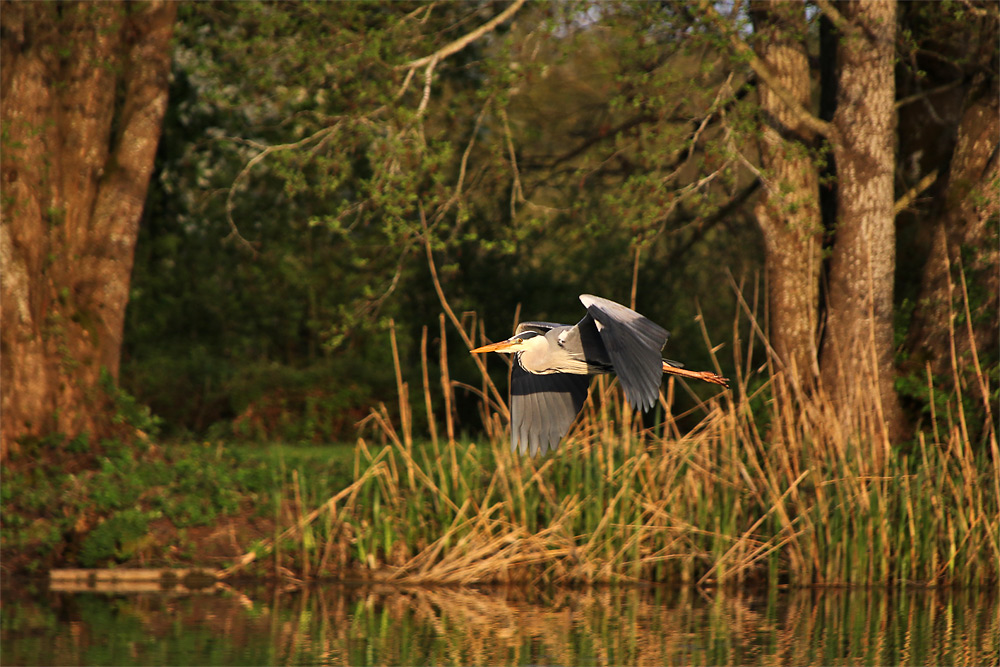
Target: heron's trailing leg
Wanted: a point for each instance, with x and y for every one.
(706, 376)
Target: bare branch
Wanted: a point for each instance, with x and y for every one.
(457, 194)
(692, 187)
(731, 143)
(975, 11)
(231, 195)
(406, 84)
(712, 110)
(465, 40)
(915, 97)
(700, 225)
(428, 75)
(914, 192)
(468, 149)
(517, 191)
(481, 363)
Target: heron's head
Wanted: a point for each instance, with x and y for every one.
(525, 340)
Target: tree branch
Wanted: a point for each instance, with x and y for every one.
(836, 18)
(465, 40)
(913, 192)
(318, 136)
(915, 97)
(480, 362)
(703, 225)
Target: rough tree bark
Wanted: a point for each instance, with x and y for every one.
(857, 356)
(83, 97)
(788, 211)
(966, 226)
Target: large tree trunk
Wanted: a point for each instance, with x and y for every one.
(83, 97)
(966, 228)
(788, 211)
(857, 358)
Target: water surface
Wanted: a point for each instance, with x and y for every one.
(377, 625)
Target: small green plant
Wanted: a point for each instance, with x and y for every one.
(128, 410)
(116, 539)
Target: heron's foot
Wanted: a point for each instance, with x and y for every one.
(714, 379)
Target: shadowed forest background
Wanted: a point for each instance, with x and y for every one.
(344, 195)
(545, 159)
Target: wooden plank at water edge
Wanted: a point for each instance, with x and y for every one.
(187, 577)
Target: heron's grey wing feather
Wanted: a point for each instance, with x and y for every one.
(543, 407)
(633, 343)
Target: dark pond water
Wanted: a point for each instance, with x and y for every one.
(372, 625)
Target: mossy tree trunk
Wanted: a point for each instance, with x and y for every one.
(84, 94)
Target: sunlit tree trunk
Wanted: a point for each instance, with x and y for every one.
(788, 210)
(83, 96)
(857, 356)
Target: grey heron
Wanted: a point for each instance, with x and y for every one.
(550, 376)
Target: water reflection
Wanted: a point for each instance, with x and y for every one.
(367, 625)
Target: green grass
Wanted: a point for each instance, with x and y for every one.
(102, 513)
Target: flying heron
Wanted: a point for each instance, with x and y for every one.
(550, 377)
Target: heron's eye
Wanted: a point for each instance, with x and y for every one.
(518, 340)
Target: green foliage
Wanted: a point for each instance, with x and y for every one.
(117, 538)
(548, 152)
(126, 410)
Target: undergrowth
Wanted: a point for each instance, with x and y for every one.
(137, 503)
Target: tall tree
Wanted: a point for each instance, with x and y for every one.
(965, 238)
(788, 210)
(955, 93)
(858, 347)
(84, 93)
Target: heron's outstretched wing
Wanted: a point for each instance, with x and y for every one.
(633, 343)
(543, 407)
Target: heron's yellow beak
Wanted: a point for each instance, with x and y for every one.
(492, 347)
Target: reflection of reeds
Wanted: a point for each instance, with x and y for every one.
(769, 484)
(640, 626)
(410, 625)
